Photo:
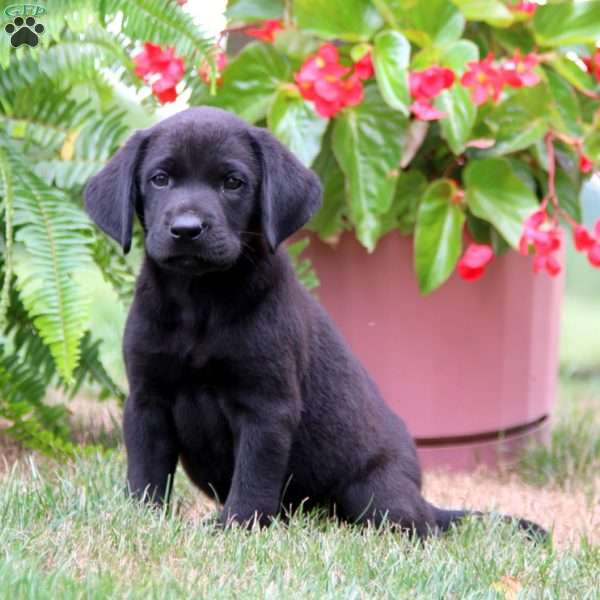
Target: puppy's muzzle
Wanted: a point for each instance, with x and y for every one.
(188, 227)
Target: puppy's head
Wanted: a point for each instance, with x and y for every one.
(204, 184)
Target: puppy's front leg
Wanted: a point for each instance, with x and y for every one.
(151, 449)
(262, 453)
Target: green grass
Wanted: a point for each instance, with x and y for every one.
(68, 532)
(572, 459)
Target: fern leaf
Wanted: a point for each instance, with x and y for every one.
(7, 193)
(56, 236)
(161, 22)
(91, 148)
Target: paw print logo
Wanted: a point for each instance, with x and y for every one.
(24, 31)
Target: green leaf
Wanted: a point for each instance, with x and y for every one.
(251, 81)
(521, 119)
(568, 117)
(391, 56)
(351, 20)
(424, 22)
(436, 22)
(493, 12)
(296, 44)
(457, 126)
(572, 72)
(592, 145)
(254, 10)
(296, 124)
(567, 23)
(495, 194)
(438, 235)
(567, 192)
(303, 266)
(367, 142)
(402, 215)
(456, 56)
(329, 220)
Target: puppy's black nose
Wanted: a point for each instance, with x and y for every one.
(187, 227)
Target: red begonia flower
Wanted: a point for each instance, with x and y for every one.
(425, 111)
(427, 84)
(518, 71)
(322, 79)
(353, 91)
(181, 2)
(548, 263)
(364, 67)
(585, 164)
(592, 64)
(583, 238)
(153, 60)
(597, 228)
(541, 233)
(525, 7)
(473, 262)
(484, 80)
(326, 108)
(594, 255)
(265, 32)
(164, 90)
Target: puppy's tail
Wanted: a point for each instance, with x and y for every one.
(445, 518)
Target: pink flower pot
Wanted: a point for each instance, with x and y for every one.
(471, 368)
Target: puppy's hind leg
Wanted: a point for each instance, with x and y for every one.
(383, 495)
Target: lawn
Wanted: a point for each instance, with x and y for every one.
(68, 531)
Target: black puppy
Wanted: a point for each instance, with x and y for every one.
(233, 367)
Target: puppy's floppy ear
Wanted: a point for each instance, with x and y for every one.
(289, 192)
(111, 195)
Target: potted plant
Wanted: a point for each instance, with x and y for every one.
(452, 140)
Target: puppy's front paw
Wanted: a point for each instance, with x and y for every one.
(249, 519)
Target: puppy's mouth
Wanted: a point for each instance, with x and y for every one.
(192, 263)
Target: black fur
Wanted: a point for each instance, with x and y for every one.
(234, 368)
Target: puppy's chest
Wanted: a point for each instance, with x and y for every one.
(198, 344)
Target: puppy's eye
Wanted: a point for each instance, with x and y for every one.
(232, 183)
(160, 180)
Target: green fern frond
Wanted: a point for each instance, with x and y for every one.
(161, 22)
(56, 236)
(85, 153)
(114, 268)
(42, 117)
(8, 205)
(32, 422)
(78, 58)
(91, 370)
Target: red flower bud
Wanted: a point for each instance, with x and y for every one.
(594, 255)
(473, 262)
(265, 32)
(582, 238)
(364, 67)
(592, 64)
(585, 164)
(525, 7)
